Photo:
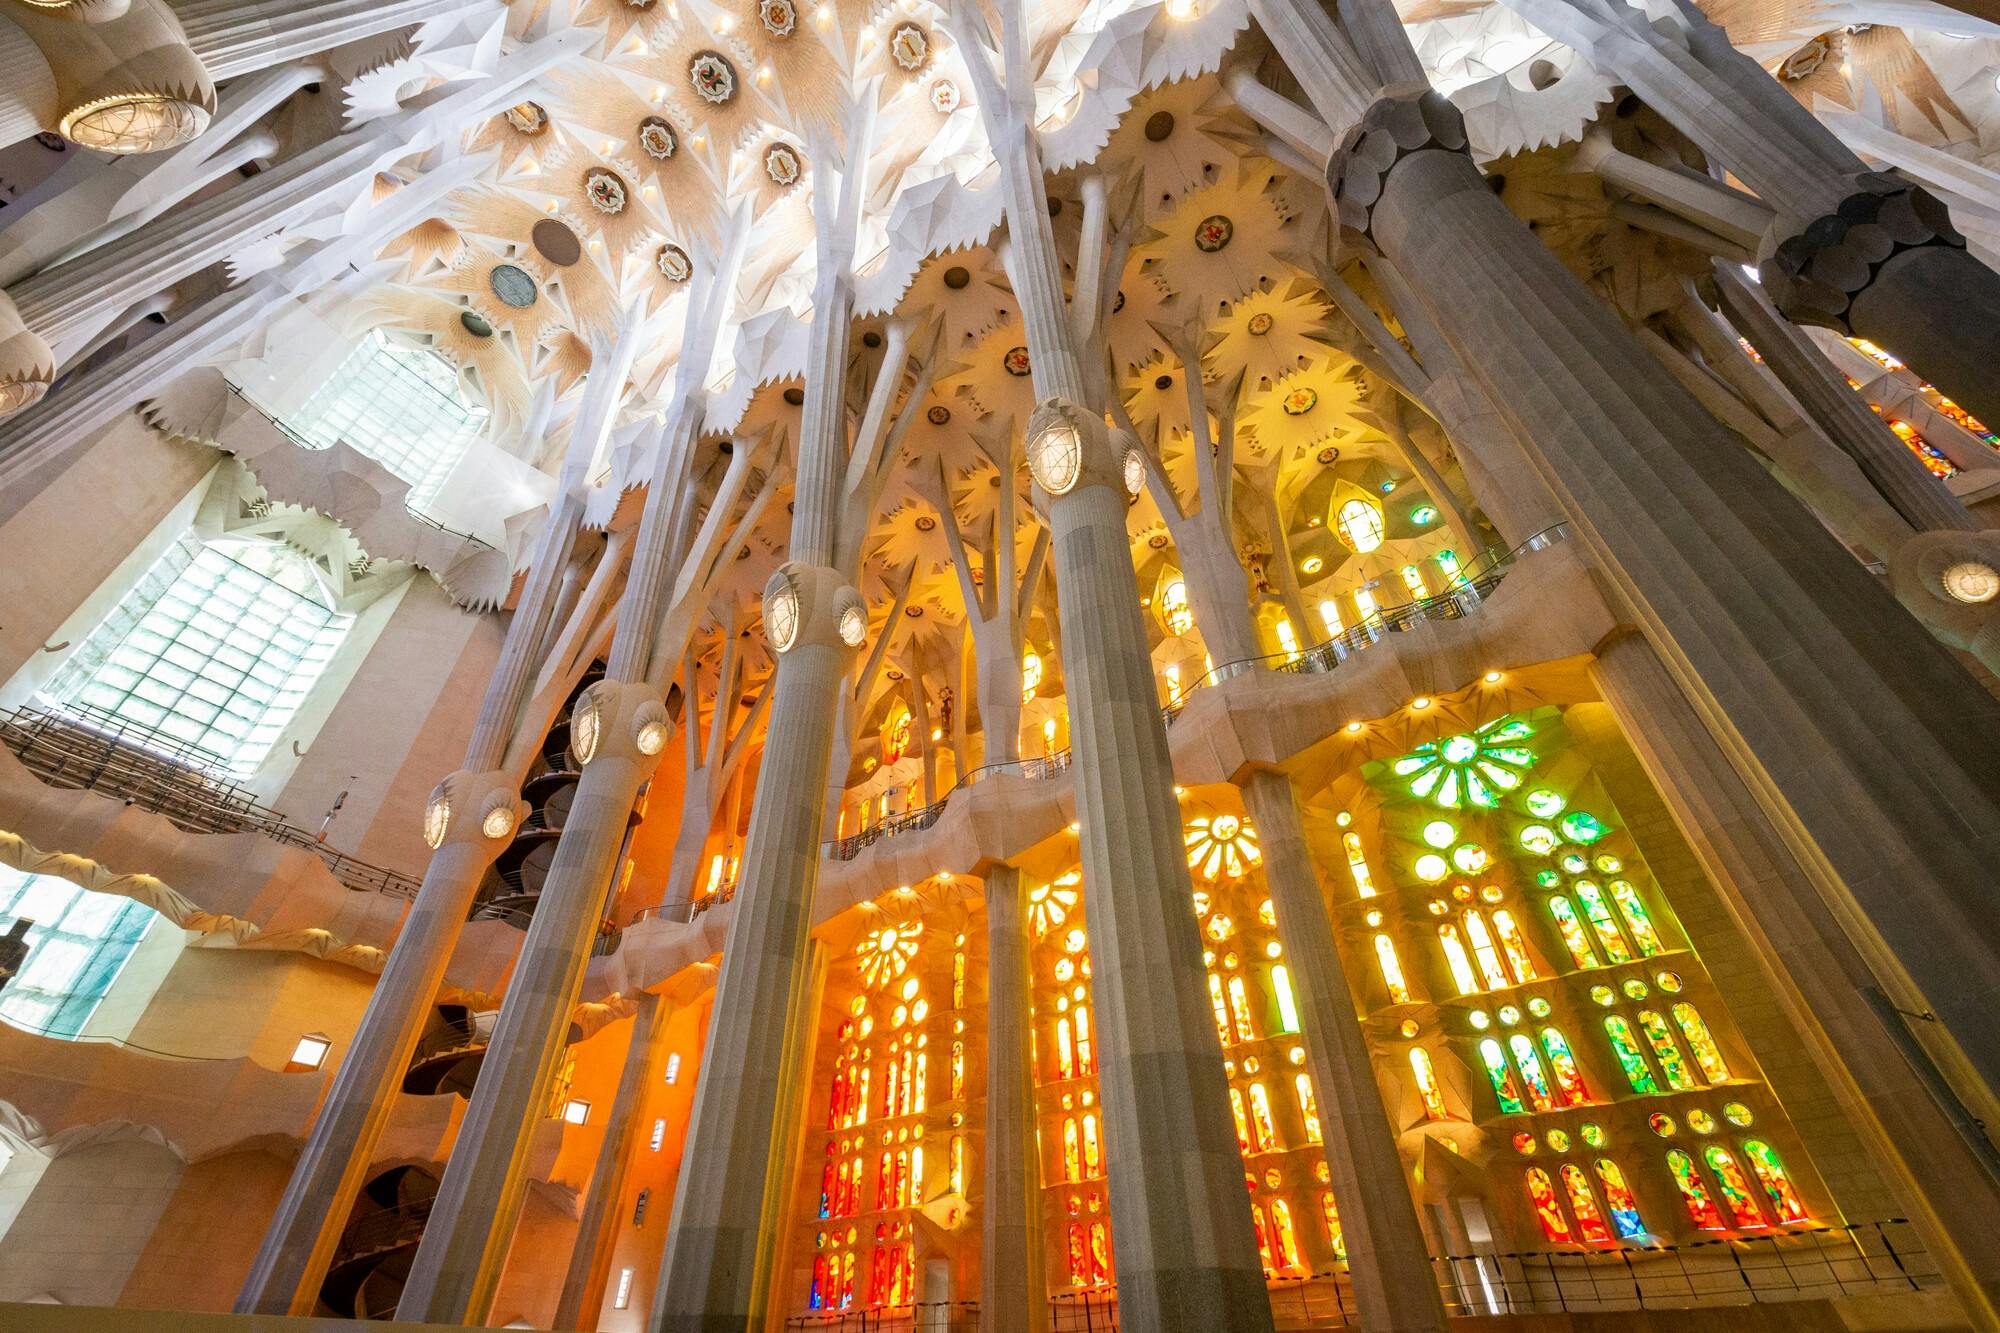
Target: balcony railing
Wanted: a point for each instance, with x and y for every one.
(1478, 582)
(82, 749)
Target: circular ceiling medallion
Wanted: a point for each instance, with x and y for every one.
(1163, 381)
(1212, 233)
(1261, 322)
(794, 396)
(938, 414)
(910, 45)
(944, 97)
(555, 242)
(513, 285)
(473, 323)
(779, 17)
(657, 138)
(781, 164)
(957, 278)
(1300, 401)
(674, 264)
(1159, 125)
(605, 190)
(1158, 541)
(925, 523)
(1328, 454)
(1016, 361)
(527, 117)
(914, 612)
(1118, 301)
(713, 77)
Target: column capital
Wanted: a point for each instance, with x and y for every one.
(619, 719)
(1070, 448)
(1814, 277)
(27, 366)
(479, 809)
(1401, 122)
(807, 604)
(1950, 580)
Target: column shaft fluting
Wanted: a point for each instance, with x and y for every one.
(1013, 1293)
(1394, 1287)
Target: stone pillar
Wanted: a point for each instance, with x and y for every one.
(291, 1263)
(1820, 981)
(604, 1200)
(234, 37)
(618, 728)
(1395, 1289)
(1013, 1292)
(1738, 586)
(716, 1272)
(1860, 432)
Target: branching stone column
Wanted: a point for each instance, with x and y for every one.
(1185, 1252)
(469, 820)
(1737, 586)
(1013, 1293)
(603, 1200)
(1940, 1167)
(1855, 250)
(1394, 1287)
(618, 728)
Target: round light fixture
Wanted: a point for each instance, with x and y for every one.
(1135, 472)
(651, 738)
(1972, 581)
(781, 611)
(499, 821)
(853, 626)
(437, 819)
(585, 730)
(1055, 454)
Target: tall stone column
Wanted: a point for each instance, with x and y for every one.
(1394, 1287)
(1737, 586)
(234, 37)
(1859, 251)
(618, 727)
(1185, 1251)
(1013, 1292)
(291, 1263)
(1942, 1179)
(604, 1198)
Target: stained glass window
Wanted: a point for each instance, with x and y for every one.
(76, 948)
(1263, 1131)
(1735, 1187)
(1626, 1049)
(403, 407)
(1413, 579)
(1392, 970)
(1601, 921)
(1221, 1008)
(1288, 1005)
(1093, 1152)
(1500, 1076)
(1666, 1050)
(1618, 1197)
(1284, 1238)
(1637, 919)
(1477, 766)
(1072, 1150)
(1302, 1088)
(1357, 864)
(1770, 1173)
(1065, 1050)
(1706, 1053)
(1583, 1205)
(1571, 931)
(1517, 948)
(1701, 1209)
(213, 650)
(1484, 950)
(1427, 1084)
(1455, 958)
(1239, 1010)
(1242, 1115)
(1548, 1211)
(1569, 1080)
(1331, 1215)
(1359, 524)
(1531, 1071)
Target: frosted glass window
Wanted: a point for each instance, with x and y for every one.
(76, 947)
(212, 651)
(401, 406)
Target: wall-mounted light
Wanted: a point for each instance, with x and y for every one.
(309, 1054)
(575, 1111)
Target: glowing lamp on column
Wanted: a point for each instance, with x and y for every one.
(497, 821)
(437, 817)
(851, 617)
(650, 728)
(1055, 448)
(1972, 582)
(1135, 471)
(586, 730)
(781, 611)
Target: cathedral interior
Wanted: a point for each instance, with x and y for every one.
(1010, 665)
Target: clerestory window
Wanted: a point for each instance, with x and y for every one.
(404, 407)
(78, 944)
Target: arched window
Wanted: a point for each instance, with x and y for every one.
(1571, 931)
(1626, 1049)
(1221, 1009)
(1239, 1009)
(1284, 1237)
(1357, 865)
(213, 651)
(1457, 960)
(1086, 1054)
(1427, 1084)
(1263, 1129)
(1702, 1042)
(1500, 1076)
(1484, 950)
(1583, 1205)
(404, 407)
(1392, 970)
(1531, 1071)
(76, 947)
(1618, 1196)
(1562, 1062)
(1602, 922)
(1517, 948)
(1302, 1089)
(1735, 1186)
(1770, 1173)
(1288, 1003)
(1637, 919)
(1236, 1108)
(1359, 524)
(1548, 1211)
(1666, 1050)
(1701, 1209)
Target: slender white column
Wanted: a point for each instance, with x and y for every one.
(291, 1263)
(1728, 213)
(604, 1198)
(1013, 1293)
(1394, 1287)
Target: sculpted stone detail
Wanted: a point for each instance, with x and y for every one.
(1395, 127)
(1813, 277)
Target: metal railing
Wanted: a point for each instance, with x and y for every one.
(1477, 582)
(458, 1034)
(521, 915)
(684, 912)
(304, 443)
(383, 1230)
(922, 1317)
(82, 749)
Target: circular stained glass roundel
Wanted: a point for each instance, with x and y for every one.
(512, 285)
